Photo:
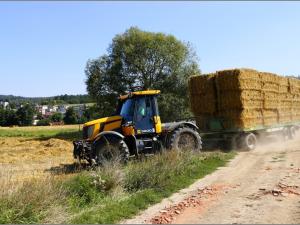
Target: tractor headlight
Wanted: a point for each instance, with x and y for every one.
(88, 131)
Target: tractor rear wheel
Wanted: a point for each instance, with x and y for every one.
(105, 151)
(185, 138)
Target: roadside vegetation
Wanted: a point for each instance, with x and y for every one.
(110, 193)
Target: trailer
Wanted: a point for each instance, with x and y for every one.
(216, 136)
(237, 108)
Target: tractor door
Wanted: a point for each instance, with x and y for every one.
(143, 116)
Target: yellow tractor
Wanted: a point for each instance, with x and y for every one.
(135, 129)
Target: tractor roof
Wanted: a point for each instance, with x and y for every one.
(147, 92)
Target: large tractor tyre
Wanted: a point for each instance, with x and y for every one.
(185, 138)
(291, 133)
(105, 151)
(248, 141)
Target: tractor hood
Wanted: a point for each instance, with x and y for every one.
(102, 120)
(92, 128)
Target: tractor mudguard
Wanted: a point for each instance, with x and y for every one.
(113, 134)
(168, 127)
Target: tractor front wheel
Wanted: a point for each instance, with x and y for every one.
(106, 151)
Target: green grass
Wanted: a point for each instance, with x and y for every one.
(113, 192)
(67, 132)
(151, 181)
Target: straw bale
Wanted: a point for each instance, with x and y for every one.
(269, 77)
(203, 103)
(283, 88)
(245, 98)
(285, 119)
(237, 113)
(269, 121)
(231, 103)
(200, 84)
(245, 84)
(283, 81)
(270, 86)
(270, 117)
(294, 85)
(285, 115)
(238, 79)
(270, 95)
(269, 113)
(271, 104)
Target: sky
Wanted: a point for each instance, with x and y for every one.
(44, 46)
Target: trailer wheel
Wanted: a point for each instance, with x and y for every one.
(231, 143)
(248, 141)
(292, 133)
(185, 138)
(285, 134)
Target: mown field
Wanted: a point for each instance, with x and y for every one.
(43, 155)
(62, 132)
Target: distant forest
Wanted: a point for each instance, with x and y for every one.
(60, 99)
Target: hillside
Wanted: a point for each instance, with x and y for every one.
(60, 99)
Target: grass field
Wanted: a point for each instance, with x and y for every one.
(67, 132)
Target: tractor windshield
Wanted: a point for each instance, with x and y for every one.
(127, 109)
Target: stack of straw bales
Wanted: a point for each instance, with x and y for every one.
(245, 98)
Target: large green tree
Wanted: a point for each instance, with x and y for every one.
(146, 59)
(56, 117)
(70, 116)
(25, 115)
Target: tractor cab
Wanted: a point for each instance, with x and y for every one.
(140, 114)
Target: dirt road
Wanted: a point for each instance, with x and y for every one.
(261, 186)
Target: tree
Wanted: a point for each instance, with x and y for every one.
(10, 118)
(92, 112)
(43, 122)
(25, 115)
(145, 59)
(39, 116)
(70, 116)
(2, 116)
(56, 117)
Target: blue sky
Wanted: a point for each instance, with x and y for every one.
(44, 46)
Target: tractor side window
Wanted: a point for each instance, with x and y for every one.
(127, 110)
(155, 106)
(149, 109)
(143, 108)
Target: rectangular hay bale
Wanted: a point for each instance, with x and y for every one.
(245, 98)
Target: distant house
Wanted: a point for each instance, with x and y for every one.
(4, 104)
(61, 109)
(42, 109)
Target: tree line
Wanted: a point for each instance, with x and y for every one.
(55, 100)
(24, 116)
